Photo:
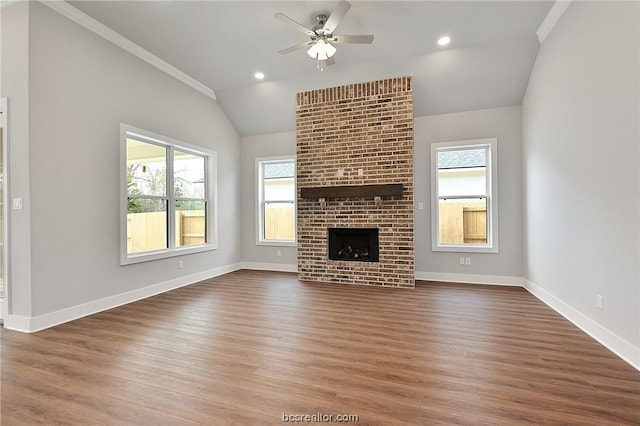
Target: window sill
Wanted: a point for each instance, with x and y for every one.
(129, 259)
(276, 243)
(452, 248)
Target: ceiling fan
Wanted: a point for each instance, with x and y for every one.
(319, 46)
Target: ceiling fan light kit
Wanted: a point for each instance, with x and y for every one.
(321, 50)
(321, 36)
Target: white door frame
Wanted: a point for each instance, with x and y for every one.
(4, 304)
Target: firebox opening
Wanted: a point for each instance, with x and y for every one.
(353, 244)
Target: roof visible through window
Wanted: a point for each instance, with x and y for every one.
(279, 170)
(462, 158)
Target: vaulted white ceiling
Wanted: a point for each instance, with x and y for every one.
(223, 43)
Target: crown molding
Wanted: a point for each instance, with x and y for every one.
(65, 9)
(551, 19)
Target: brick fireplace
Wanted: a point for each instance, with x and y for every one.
(355, 171)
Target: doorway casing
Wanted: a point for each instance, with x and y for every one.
(4, 218)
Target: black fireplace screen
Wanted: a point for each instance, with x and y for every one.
(353, 244)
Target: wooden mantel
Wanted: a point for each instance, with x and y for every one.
(352, 191)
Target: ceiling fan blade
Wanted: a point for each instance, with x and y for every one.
(360, 39)
(294, 48)
(294, 24)
(336, 16)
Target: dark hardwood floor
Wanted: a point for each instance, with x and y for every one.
(248, 347)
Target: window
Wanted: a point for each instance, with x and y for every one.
(464, 210)
(276, 201)
(168, 194)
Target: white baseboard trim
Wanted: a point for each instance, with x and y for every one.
(34, 324)
(604, 336)
(616, 344)
(277, 267)
(17, 323)
(469, 278)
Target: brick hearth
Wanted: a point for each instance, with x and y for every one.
(368, 127)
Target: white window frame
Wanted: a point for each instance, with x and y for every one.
(260, 240)
(491, 144)
(211, 196)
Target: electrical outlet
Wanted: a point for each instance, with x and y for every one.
(467, 261)
(17, 203)
(340, 172)
(462, 260)
(420, 206)
(279, 253)
(360, 172)
(599, 301)
(180, 264)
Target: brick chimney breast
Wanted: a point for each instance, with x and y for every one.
(359, 134)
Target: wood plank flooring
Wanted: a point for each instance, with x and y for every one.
(249, 347)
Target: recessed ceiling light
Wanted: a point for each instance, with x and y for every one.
(259, 76)
(443, 41)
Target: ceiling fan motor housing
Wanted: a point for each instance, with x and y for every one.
(321, 19)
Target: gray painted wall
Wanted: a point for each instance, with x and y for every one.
(504, 124)
(15, 87)
(581, 169)
(252, 147)
(80, 88)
